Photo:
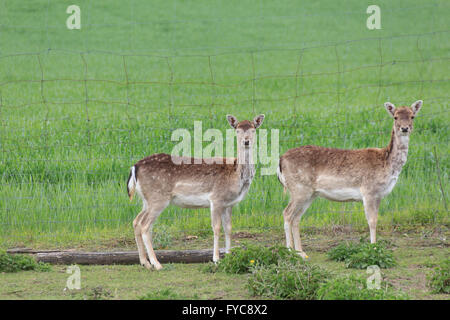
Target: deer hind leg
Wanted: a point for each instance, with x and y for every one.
(371, 205)
(143, 258)
(146, 224)
(287, 215)
(216, 214)
(301, 198)
(301, 208)
(226, 222)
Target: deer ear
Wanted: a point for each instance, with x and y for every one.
(257, 122)
(232, 121)
(416, 106)
(390, 108)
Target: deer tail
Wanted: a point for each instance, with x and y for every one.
(131, 183)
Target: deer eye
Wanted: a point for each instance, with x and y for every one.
(395, 118)
(412, 117)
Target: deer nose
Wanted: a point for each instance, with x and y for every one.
(246, 142)
(405, 129)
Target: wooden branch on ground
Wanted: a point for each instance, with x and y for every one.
(122, 257)
(28, 251)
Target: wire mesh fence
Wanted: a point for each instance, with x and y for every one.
(74, 121)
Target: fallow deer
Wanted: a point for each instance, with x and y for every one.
(365, 175)
(163, 179)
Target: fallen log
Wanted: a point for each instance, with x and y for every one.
(125, 257)
(29, 251)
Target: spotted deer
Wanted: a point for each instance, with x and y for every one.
(365, 175)
(163, 179)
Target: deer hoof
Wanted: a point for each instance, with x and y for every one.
(158, 266)
(146, 264)
(303, 255)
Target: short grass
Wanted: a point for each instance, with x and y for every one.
(417, 256)
(355, 288)
(79, 107)
(439, 279)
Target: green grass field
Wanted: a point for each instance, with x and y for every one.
(417, 256)
(79, 107)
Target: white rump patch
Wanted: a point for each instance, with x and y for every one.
(281, 176)
(132, 182)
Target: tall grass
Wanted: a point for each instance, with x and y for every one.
(114, 91)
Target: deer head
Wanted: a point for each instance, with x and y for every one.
(245, 130)
(403, 117)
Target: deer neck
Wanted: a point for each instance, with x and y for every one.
(246, 166)
(397, 152)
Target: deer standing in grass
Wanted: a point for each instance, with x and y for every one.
(365, 175)
(162, 179)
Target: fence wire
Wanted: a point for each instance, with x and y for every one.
(47, 182)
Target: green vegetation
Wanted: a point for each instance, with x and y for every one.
(439, 279)
(417, 256)
(363, 254)
(355, 288)
(96, 293)
(19, 262)
(343, 251)
(279, 273)
(244, 259)
(79, 107)
(287, 280)
(165, 294)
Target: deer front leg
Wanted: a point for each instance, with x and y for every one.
(226, 222)
(216, 214)
(371, 205)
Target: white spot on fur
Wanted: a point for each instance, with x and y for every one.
(139, 191)
(288, 234)
(244, 187)
(390, 185)
(201, 200)
(146, 241)
(341, 194)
